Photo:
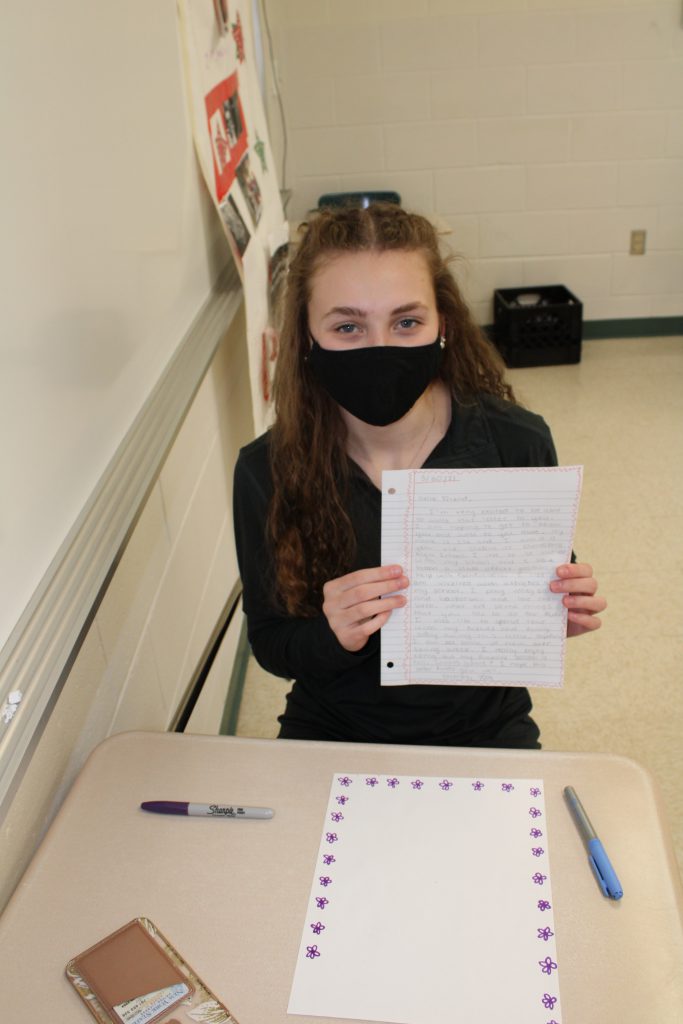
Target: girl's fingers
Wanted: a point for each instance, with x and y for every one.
(371, 625)
(584, 621)
(371, 591)
(371, 609)
(344, 605)
(361, 577)
(355, 636)
(581, 602)
(572, 570)
(579, 585)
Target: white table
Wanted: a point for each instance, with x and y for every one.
(231, 895)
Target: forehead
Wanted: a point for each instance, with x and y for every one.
(370, 278)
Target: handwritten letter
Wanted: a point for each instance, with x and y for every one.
(480, 547)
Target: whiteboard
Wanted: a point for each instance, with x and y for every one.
(109, 248)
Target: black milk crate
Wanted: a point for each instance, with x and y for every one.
(537, 326)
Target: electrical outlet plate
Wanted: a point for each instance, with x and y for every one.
(638, 243)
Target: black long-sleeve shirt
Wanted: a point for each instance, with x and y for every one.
(336, 693)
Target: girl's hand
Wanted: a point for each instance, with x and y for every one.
(355, 605)
(577, 583)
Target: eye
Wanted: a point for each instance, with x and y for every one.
(408, 322)
(345, 328)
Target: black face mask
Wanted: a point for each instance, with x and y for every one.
(378, 384)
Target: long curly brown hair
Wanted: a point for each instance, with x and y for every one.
(308, 526)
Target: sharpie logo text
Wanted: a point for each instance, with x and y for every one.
(229, 812)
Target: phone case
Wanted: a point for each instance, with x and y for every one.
(135, 976)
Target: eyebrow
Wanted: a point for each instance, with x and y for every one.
(408, 307)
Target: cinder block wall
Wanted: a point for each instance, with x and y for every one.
(541, 132)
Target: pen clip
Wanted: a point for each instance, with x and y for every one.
(598, 875)
(603, 870)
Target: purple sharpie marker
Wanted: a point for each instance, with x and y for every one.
(206, 810)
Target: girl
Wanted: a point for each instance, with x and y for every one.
(380, 366)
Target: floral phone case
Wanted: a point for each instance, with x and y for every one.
(135, 976)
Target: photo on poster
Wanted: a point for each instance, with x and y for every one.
(233, 118)
(235, 224)
(250, 188)
(219, 141)
(227, 132)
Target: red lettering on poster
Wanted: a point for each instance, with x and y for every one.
(227, 131)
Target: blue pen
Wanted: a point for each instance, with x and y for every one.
(597, 858)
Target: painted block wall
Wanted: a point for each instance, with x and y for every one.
(538, 132)
(159, 610)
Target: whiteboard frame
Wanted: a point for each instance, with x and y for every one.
(41, 650)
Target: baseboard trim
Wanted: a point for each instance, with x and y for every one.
(641, 327)
(233, 701)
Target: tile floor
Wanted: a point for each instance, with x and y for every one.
(620, 414)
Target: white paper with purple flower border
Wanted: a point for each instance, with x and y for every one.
(431, 902)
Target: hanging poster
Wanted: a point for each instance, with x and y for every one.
(233, 149)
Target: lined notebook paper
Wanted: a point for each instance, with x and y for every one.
(430, 903)
(480, 547)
